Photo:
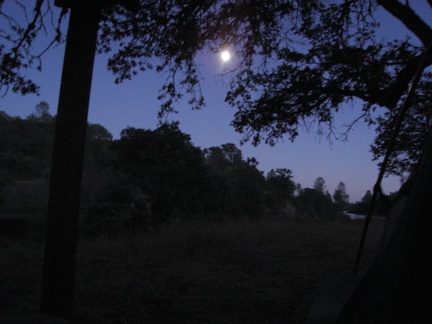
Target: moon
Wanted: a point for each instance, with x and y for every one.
(225, 56)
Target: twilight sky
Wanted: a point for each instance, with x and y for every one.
(134, 103)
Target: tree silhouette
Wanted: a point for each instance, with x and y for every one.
(319, 185)
(163, 164)
(300, 63)
(340, 196)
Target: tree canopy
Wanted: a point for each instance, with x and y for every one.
(147, 177)
(300, 62)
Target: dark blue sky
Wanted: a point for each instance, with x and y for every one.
(134, 103)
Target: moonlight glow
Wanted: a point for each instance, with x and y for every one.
(225, 56)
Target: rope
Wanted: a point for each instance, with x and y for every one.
(389, 151)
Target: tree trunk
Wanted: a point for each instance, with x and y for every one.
(67, 162)
(398, 286)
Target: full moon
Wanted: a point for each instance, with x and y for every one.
(225, 56)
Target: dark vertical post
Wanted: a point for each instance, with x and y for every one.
(58, 277)
(397, 288)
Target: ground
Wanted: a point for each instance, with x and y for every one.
(266, 271)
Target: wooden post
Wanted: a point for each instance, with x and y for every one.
(58, 277)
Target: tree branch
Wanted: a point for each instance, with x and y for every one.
(403, 79)
(409, 18)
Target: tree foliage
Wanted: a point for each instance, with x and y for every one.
(238, 184)
(340, 197)
(165, 165)
(280, 191)
(147, 177)
(25, 158)
(319, 185)
(316, 204)
(381, 208)
(26, 146)
(300, 62)
(22, 25)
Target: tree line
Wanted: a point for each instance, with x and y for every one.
(146, 177)
(299, 62)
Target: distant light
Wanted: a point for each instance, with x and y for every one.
(225, 56)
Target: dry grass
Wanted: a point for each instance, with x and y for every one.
(192, 272)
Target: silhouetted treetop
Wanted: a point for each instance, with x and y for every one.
(319, 185)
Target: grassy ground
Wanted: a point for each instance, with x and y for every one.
(195, 272)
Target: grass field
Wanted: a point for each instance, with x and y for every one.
(195, 271)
